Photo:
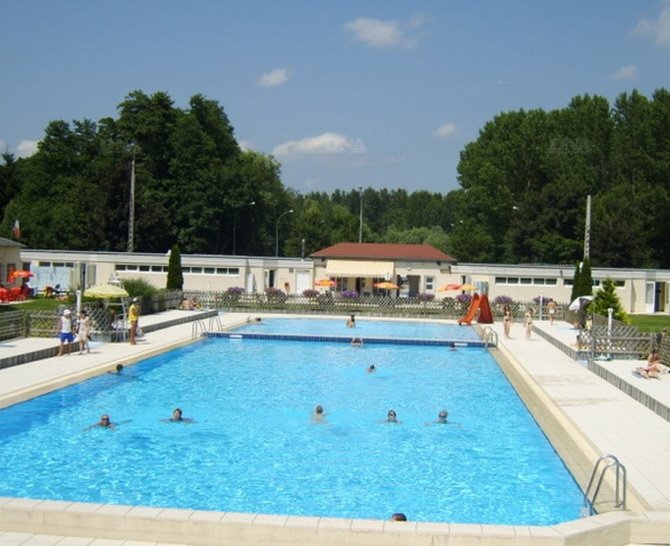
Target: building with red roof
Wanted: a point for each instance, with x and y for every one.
(361, 266)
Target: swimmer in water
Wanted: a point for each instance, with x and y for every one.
(105, 422)
(391, 417)
(318, 415)
(177, 417)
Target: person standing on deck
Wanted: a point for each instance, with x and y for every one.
(133, 318)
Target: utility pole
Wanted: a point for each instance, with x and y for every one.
(131, 206)
(587, 229)
(360, 220)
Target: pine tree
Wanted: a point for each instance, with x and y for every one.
(586, 279)
(607, 297)
(175, 278)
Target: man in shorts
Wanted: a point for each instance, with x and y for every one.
(65, 333)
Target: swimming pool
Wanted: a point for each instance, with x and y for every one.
(254, 448)
(408, 329)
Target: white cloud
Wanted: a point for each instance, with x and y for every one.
(378, 33)
(245, 145)
(26, 148)
(627, 72)
(277, 77)
(326, 143)
(445, 130)
(657, 29)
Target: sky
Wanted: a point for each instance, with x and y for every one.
(344, 94)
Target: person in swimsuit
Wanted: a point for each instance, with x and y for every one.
(551, 309)
(507, 320)
(528, 322)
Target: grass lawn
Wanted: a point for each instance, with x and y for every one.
(34, 304)
(650, 323)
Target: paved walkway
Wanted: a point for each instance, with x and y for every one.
(612, 421)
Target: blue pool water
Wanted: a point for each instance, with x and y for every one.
(254, 448)
(364, 328)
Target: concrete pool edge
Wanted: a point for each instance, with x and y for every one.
(574, 448)
(204, 528)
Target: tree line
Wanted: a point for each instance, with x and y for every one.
(521, 198)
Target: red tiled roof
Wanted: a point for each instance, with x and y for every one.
(383, 251)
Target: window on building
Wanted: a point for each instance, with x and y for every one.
(526, 280)
(430, 283)
(145, 268)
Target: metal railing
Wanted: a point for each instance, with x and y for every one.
(607, 462)
(198, 329)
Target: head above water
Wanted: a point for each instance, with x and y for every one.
(391, 416)
(318, 410)
(442, 416)
(398, 516)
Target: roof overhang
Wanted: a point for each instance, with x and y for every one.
(360, 268)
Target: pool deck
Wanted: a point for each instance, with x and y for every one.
(608, 421)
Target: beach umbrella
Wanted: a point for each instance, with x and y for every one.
(324, 282)
(386, 285)
(467, 287)
(105, 291)
(20, 274)
(579, 302)
(449, 287)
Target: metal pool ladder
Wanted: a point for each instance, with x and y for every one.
(198, 326)
(215, 323)
(602, 465)
(490, 336)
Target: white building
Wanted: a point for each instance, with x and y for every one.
(414, 269)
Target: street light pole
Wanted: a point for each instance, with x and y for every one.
(237, 212)
(290, 211)
(360, 220)
(131, 207)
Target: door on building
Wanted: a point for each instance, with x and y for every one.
(660, 297)
(649, 296)
(303, 280)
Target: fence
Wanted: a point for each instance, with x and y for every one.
(107, 320)
(11, 325)
(622, 341)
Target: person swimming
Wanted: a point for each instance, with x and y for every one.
(371, 368)
(442, 417)
(391, 417)
(178, 417)
(105, 422)
(351, 322)
(318, 415)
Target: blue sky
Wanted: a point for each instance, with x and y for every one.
(344, 94)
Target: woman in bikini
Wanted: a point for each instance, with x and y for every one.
(507, 320)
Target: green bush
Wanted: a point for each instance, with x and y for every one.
(138, 288)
